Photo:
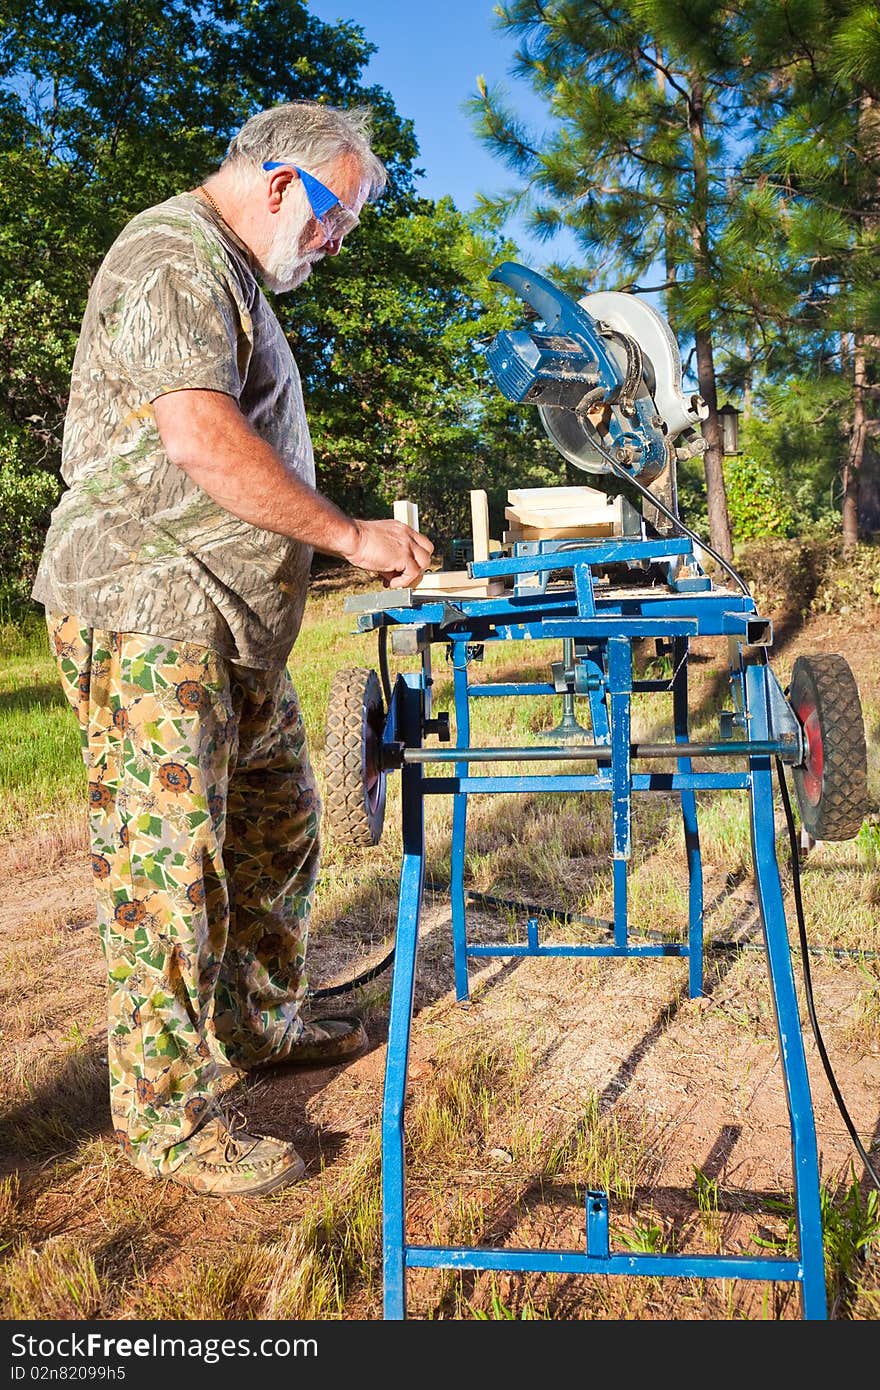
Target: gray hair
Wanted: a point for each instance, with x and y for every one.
(308, 133)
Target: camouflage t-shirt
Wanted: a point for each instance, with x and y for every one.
(134, 545)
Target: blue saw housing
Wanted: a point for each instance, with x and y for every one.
(545, 369)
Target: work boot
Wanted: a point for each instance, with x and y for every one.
(324, 1042)
(224, 1160)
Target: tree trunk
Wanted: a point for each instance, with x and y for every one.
(869, 488)
(863, 344)
(856, 452)
(716, 494)
(670, 263)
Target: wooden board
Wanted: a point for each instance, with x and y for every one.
(457, 584)
(480, 523)
(407, 512)
(556, 533)
(545, 497)
(604, 515)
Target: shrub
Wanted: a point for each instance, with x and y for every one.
(27, 496)
(850, 582)
(757, 501)
(810, 576)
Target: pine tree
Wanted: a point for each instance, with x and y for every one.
(650, 110)
(820, 150)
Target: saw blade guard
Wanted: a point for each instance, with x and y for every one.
(621, 316)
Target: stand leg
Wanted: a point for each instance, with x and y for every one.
(805, 1157)
(459, 921)
(689, 817)
(459, 827)
(412, 879)
(620, 694)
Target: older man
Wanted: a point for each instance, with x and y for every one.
(174, 578)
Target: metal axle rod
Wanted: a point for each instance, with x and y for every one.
(597, 752)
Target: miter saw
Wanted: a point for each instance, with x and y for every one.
(605, 374)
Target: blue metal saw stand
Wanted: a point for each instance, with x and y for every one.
(600, 624)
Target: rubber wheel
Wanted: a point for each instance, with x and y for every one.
(832, 781)
(355, 784)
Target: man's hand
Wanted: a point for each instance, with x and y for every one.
(394, 551)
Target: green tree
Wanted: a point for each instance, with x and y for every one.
(651, 118)
(108, 106)
(798, 437)
(820, 154)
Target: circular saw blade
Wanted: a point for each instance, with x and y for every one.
(578, 437)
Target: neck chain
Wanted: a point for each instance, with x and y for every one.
(203, 189)
(250, 256)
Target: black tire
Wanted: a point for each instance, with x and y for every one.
(355, 784)
(832, 781)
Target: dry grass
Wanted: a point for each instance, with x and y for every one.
(561, 1076)
(50, 1107)
(57, 1281)
(57, 837)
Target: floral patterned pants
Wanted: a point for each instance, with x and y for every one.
(203, 817)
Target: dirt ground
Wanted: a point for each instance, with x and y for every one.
(680, 1085)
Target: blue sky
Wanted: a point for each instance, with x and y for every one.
(429, 57)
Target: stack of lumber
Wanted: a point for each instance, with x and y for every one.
(457, 584)
(557, 513)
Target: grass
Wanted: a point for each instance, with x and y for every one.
(52, 1102)
(851, 1235)
(864, 1029)
(41, 770)
(492, 1149)
(706, 1191)
(57, 1281)
(610, 1152)
(499, 1311)
(851, 1229)
(649, 1238)
(305, 1274)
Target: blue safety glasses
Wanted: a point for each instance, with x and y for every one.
(336, 217)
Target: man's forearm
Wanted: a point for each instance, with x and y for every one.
(207, 436)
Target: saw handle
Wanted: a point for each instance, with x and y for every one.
(562, 315)
(546, 300)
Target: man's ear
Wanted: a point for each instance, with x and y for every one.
(279, 180)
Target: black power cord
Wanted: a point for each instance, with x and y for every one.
(808, 981)
(675, 520)
(348, 986)
(792, 835)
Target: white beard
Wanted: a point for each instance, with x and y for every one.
(286, 266)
